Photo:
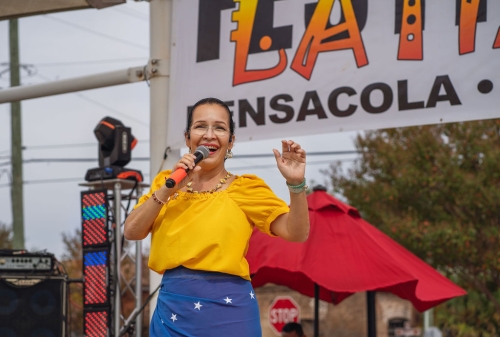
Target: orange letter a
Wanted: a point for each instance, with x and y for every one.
(311, 44)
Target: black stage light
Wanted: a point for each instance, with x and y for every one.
(115, 151)
(115, 142)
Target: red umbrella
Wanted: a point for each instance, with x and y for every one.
(343, 255)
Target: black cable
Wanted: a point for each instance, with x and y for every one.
(165, 156)
(130, 198)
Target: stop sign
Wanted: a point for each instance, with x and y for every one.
(282, 310)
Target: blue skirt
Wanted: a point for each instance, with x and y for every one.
(203, 304)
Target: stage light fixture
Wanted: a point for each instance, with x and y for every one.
(115, 142)
(115, 151)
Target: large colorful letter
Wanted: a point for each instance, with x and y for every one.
(312, 42)
(410, 35)
(496, 44)
(245, 18)
(467, 25)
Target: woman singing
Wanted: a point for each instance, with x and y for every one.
(201, 228)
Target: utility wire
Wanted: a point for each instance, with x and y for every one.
(134, 15)
(110, 109)
(136, 159)
(256, 167)
(73, 63)
(241, 156)
(62, 180)
(116, 39)
(66, 160)
(133, 10)
(322, 153)
(47, 181)
(99, 104)
(60, 146)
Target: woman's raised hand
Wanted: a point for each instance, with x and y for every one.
(291, 162)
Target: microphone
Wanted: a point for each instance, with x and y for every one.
(201, 153)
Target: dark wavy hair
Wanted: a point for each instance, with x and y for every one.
(209, 100)
(292, 326)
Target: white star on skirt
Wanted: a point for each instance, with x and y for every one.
(252, 295)
(198, 305)
(174, 317)
(228, 300)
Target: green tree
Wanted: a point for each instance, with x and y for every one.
(436, 190)
(5, 236)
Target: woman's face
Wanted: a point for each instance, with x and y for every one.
(210, 128)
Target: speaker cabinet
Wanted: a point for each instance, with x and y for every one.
(32, 306)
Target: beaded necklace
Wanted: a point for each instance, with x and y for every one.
(219, 185)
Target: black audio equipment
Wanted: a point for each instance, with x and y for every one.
(21, 262)
(32, 305)
(26, 263)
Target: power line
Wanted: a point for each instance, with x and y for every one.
(47, 181)
(59, 146)
(256, 167)
(323, 153)
(72, 63)
(116, 39)
(65, 160)
(110, 109)
(242, 156)
(132, 10)
(101, 105)
(134, 15)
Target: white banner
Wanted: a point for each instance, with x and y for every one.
(300, 67)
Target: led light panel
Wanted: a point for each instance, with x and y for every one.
(94, 218)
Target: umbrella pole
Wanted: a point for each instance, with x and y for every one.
(316, 310)
(370, 306)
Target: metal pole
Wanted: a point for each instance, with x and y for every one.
(117, 77)
(138, 280)
(316, 310)
(370, 305)
(428, 319)
(160, 18)
(118, 249)
(16, 141)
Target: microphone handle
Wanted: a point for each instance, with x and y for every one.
(181, 173)
(176, 177)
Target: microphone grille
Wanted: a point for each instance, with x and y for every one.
(203, 150)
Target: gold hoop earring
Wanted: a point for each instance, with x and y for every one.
(229, 154)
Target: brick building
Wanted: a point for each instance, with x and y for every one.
(348, 319)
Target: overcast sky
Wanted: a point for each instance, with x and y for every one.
(78, 43)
